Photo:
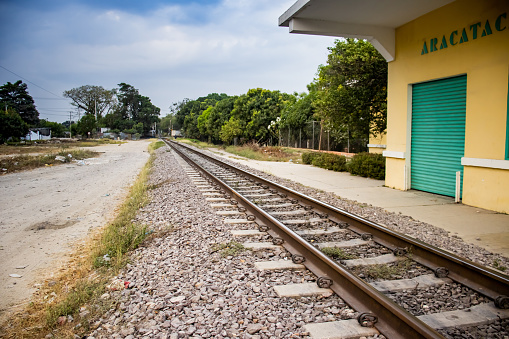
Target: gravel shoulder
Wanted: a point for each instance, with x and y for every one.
(47, 211)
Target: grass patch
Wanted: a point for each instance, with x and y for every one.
(497, 264)
(384, 271)
(27, 162)
(337, 253)
(265, 153)
(196, 143)
(50, 146)
(155, 145)
(79, 286)
(231, 248)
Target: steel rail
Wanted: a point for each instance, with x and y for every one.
(392, 320)
(484, 280)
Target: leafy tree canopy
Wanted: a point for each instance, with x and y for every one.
(16, 97)
(92, 99)
(352, 88)
(57, 130)
(11, 125)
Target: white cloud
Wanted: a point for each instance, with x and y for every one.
(169, 53)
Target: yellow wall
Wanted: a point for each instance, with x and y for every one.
(485, 60)
(379, 139)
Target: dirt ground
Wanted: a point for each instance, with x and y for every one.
(43, 212)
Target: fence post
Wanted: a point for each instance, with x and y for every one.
(313, 134)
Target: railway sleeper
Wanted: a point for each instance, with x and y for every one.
(474, 316)
(382, 259)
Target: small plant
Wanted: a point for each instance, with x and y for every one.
(369, 165)
(497, 264)
(337, 253)
(384, 271)
(231, 248)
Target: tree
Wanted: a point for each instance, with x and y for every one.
(133, 113)
(352, 88)
(86, 124)
(188, 111)
(231, 130)
(57, 130)
(128, 101)
(16, 96)
(255, 110)
(11, 125)
(167, 123)
(92, 99)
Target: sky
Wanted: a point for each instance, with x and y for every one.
(168, 49)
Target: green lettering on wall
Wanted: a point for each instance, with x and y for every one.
(444, 43)
(464, 37)
(498, 22)
(473, 28)
(451, 38)
(487, 29)
(433, 45)
(424, 49)
(500, 25)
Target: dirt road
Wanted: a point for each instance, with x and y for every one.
(44, 212)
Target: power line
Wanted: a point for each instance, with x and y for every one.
(44, 89)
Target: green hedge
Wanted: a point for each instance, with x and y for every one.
(328, 161)
(307, 158)
(368, 165)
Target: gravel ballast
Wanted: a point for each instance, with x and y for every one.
(182, 286)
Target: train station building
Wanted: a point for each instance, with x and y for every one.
(448, 97)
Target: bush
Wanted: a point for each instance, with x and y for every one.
(325, 160)
(307, 158)
(330, 161)
(368, 165)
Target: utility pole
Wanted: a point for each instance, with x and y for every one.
(70, 125)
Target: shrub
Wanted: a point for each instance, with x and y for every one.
(368, 165)
(307, 158)
(330, 161)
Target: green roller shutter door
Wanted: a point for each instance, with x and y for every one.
(438, 134)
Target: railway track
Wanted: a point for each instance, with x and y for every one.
(343, 250)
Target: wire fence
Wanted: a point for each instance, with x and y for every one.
(313, 136)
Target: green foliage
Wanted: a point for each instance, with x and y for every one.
(231, 248)
(15, 96)
(368, 165)
(328, 161)
(384, 271)
(94, 100)
(268, 153)
(352, 89)
(307, 158)
(11, 125)
(85, 125)
(230, 130)
(497, 264)
(122, 109)
(255, 110)
(337, 253)
(123, 235)
(57, 130)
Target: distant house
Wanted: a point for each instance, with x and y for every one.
(176, 133)
(42, 133)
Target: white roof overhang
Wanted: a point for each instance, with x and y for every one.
(373, 20)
